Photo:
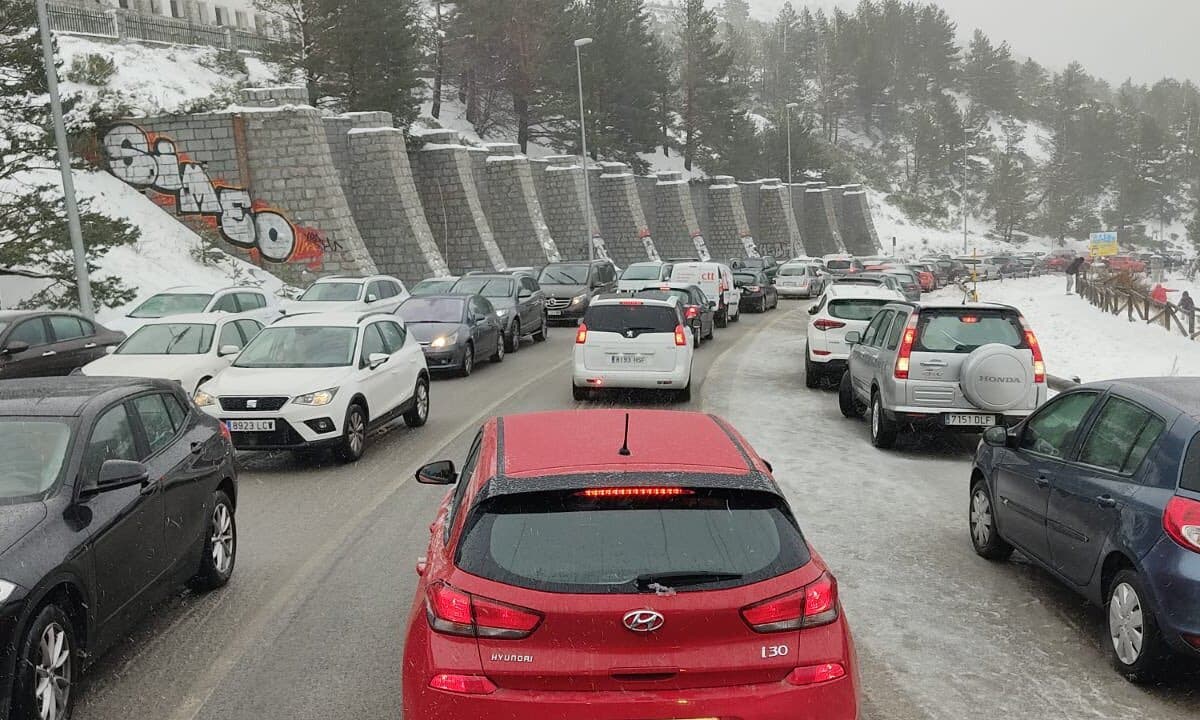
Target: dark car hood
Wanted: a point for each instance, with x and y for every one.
(426, 332)
(17, 520)
(555, 290)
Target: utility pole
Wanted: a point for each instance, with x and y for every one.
(964, 186)
(64, 165)
(790, 107)
(587, 193)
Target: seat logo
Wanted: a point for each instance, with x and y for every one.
(643, 620)
(251, 404)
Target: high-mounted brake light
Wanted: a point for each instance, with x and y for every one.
(1181, 520)
(632, 302)
(906, 346)
(453, 612)
(1039, 365)
(823, 324)
(581, 334)
(969, 319)
(680, 337)
(813, 605)
(634, 492)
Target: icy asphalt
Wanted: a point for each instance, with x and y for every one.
(311, 626)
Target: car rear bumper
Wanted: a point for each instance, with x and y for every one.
(834, 700)
(785, 291)
(1173, 576)
(929, 417)
(676, 379)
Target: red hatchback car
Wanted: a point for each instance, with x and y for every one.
(610, 565)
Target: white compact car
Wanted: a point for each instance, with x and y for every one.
(644, 275)
(639, 343)
(249, 302)
(321, 379)
(983, 268)
(189, 349)
(796, 279)
(716, 280)
(842, 309)
(340, 293)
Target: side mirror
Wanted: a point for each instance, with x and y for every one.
(15, 348)
(813, 310)
(853, 337)
(117, 474)
(374, 360)
(226, 350)
(438, 473)
(110, 349)
(996, 436)
(371, 298)
(525, 294)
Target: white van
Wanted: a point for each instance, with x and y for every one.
(716, 280)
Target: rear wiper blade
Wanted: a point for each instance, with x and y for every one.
(646, 581)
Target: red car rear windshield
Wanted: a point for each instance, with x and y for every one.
(955, 330)
(563, 542)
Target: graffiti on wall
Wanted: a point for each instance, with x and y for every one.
(701, 246)
(153, 162)
(648, 243)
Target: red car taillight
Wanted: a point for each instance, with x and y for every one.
(813, 605)
(823, 324)
(454, 612)
(1181, 520)
(692, 312)
(680, 338)
(465, 684)
(1039, 365)
(906, 346)
(581, 334)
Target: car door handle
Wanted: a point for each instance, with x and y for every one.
(49, 353)
(149, 487)
(1106, 501)
(1042, 481)
(89, 346)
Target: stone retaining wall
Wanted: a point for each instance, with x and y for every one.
(729, 233)
(778, 234)
(514, 212)
(449, 194)
(678, 231)
(622, 221)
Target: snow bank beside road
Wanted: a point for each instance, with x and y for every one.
(1079, 339)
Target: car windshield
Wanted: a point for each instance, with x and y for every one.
(166, 304)
(619, 318)
(549, 541)
(641, 272)
(838, 264)
(169, 339)
(855, 308)
(485, 286)
(431, 310)
(332, 292)
(32, 454)
(904, 277)
(300, 347)
(564, 275)
(433, 287)
(684, 296)
(963, 330)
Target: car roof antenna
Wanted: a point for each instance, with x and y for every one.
(624, 451)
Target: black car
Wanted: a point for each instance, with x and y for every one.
(113, 493)
(570, 287)
(49, 342)
(697, 310)
(454, 330)
(518, 300)
(758, 294)
(765, 264)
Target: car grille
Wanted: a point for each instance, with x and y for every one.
(253, 403)
(557, 303)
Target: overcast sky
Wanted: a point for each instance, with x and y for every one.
(1114, 39)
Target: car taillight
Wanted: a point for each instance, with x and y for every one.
(823, 324)
(465, 684)
(813, 605)
(692, 312)
(1181, 520)
(581, 334)
(813, 674)
(632, 302)
(634, 492)
(680, 338)
(906, 346)
(1039, 365)
(454, 612)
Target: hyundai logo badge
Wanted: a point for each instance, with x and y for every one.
(643, 620)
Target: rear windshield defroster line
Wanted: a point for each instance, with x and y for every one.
(558, 541)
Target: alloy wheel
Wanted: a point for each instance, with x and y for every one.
(875, 418)
(422, 401)
(356, 432)
(222, 538)
(981, 518)
(1125, 623)
(52, 689)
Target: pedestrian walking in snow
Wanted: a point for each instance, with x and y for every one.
(1072, 271)
(1158, 294)
(1187, 304)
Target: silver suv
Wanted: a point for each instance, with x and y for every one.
(943, 367)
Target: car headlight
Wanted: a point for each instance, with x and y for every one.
(6, 590)
(501, 311)
(317, 399)
(203, 399)
(444, 340)
(578, 298)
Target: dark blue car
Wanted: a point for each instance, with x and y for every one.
(1101, 486)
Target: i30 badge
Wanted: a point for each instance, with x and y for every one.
(643, 620)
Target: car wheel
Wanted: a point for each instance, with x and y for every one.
(736, 316)
(46, 668)
(711, 331)
(696, 335)
(883, 429)
(354, 434)
(684, 395)
(220, 545)
(846, 400)
(580, 393)
(540, 335)
(419, 414)
(812, 376)
(1134, 642)
(982, 519)
(512, 343)
(468, 363)
(722, 317)
(501, 347)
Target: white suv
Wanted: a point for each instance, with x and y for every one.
(252, 302)
(641, 343)
(318, 380)
(339, 293)
(842, 309)
(644, 276)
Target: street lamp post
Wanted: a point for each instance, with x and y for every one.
(64, 164)
(790, 107)
(587, 193)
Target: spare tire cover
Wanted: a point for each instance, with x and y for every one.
(996, 377)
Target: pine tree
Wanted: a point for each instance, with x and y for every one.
(712, 115)
(377, 57)
(1010, 191)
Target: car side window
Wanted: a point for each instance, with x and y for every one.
(175, 410)
(156, 421)
(1121, 436)
(248, 329)
(251, 301)
(230, 336)
(31, 331)
(395, 287)
(530, 284)
(111, 439)
(1052, 431)
(482, 306)
(872, 332)
(228, 303)
(372, 342)
(373, 290)
(393, 335)
(65, 327)
(464, 479)
(897, 330)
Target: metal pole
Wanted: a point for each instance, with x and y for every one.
(587, 192)
(964, 189)
(789, 134)
(64, 165)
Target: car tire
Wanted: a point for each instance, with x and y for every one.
(846, 401)
(418, 415)
(1127, 611)
(762, 304)
(501, 347)
(812, 376)
(354, 434)
(580, 393)
(711, 331)
(981, 521)
(53, 625)
(512, 342)
(540, 335)
(220, 545)
(684, 395)
(721, 319)
(468, 363)
(696, 335)
(883, 428)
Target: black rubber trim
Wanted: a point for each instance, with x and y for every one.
(500, 447)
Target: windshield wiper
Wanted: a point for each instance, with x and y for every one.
(647, 582)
